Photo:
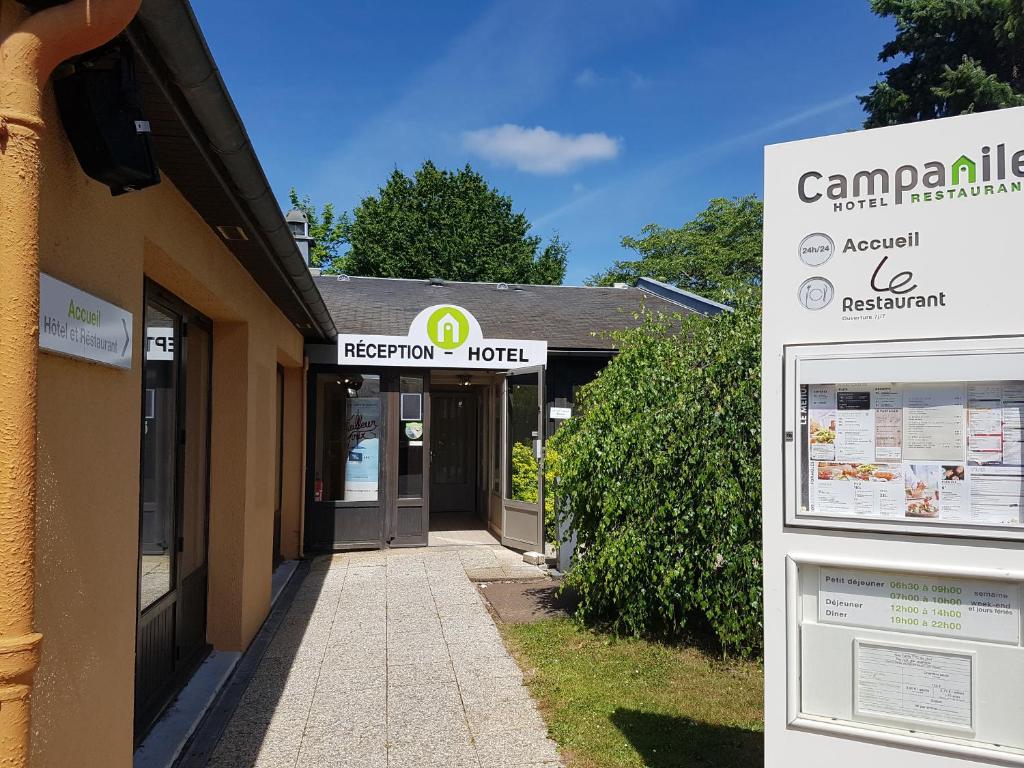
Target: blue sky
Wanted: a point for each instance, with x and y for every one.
(595, 117)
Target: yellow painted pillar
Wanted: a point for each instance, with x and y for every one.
(28, 56)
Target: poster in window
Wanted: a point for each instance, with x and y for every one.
(362, 459)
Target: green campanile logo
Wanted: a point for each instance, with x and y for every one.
(448, 327)
(964, 165)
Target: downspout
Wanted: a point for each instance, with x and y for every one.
(28, 56)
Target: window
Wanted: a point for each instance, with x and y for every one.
(159, 457)
(496, 407)
(523, 479)
(410, 438)
(348, 436)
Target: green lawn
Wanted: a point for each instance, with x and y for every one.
(616, 703)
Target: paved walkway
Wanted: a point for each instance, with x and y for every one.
(390, 660)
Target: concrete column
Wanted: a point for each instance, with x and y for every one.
(229, 460)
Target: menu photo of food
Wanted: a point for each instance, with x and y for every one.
(878, 473)
(953, 473)
(922, 485)
(821, 433)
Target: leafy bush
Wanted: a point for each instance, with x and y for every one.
(524, 473)
(661, 469)
(524, 483)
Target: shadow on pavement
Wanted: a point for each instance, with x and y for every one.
(666, 741)
(266, 662)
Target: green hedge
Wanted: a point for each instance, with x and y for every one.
(661, 467)
(524, 483)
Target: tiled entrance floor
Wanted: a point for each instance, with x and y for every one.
(389, 660)
(449, 529)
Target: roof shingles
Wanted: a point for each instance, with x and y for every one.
(568, 317)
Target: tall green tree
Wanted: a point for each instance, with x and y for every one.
(954, 57)
(327, 230)
(715, 254)
(451, 225)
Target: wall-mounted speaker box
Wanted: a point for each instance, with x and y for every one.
(101, 110)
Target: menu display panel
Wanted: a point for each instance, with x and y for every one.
(942, 453)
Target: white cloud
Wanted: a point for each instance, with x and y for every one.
(538, 150)
(641, 184)
(637, 81)
(589, 78)
(586, 78)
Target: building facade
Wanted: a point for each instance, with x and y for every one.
(152, 482)
(168, 483)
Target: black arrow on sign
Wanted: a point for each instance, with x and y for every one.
(127, 338)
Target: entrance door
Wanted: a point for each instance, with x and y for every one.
(174, 503)
(523, 483)
(348, 446)
(453, 452)
(409, 519)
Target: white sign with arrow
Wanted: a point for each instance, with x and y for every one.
(78, 324)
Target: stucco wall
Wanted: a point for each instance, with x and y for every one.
(89, 444)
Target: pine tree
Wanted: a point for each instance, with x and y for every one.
(955, 57)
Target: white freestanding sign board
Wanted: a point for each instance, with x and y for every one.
(894, 446)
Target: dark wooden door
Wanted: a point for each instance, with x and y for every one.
(453, 451)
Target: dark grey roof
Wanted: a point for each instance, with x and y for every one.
(566, 316)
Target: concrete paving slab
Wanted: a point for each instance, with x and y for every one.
(361, 657)
(463, 611)
(398, 665)
(349, 681)
(468, 671)
(487, 573)
(418, 654)
(346, 715)
(344, 754)
(433, 673)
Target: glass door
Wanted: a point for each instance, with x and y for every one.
(174, 502)
(409, 517)
(523, 481)
(348, 447)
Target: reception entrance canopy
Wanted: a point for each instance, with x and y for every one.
(430, 413)
(442, 336)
